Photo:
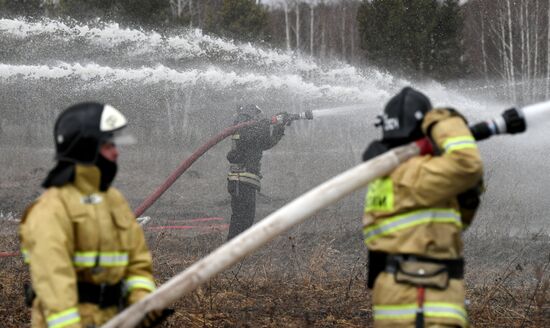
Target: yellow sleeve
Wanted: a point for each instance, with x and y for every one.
(139, 277)
(139, 274)
(459, 166)
(49, 239)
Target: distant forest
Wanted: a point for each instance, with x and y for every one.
(504, 40)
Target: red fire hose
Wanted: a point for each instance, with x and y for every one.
(8, 254)
(186, 164)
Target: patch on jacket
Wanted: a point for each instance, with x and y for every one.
(380, 196)
(91, 199)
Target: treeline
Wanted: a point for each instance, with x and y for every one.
(323, 28)
(493, 40)
(510, 40)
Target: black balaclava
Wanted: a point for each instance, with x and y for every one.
(108, 172)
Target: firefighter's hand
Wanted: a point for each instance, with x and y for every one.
(285, 118)
(154, 318)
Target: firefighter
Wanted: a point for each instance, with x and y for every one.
(244, 157)
(414, 216)
(86, 252)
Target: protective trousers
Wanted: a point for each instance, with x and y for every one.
(243, 207)
(395, 304)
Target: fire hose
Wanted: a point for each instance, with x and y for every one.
(305, 206)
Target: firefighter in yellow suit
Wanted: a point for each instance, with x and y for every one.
(87, 254)
(414, 217)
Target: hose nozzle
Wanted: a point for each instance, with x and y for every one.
(307, 115)
(286, 118)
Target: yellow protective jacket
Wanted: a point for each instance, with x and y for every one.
(75, 233)
(414, 210)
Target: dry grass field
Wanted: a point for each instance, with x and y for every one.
(304, 279)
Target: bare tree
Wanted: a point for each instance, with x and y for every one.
(287, 25)
(297, 26)
(311, 25)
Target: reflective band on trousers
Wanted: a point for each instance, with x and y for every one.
(135, 282)
(431, 310)
(411, 219)
(457, 143)
(106, 259)
(63, 319)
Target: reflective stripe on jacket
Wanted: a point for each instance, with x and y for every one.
(64, 318)
(411, 219)
(77, 233)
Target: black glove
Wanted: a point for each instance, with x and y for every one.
(154, 318)
(283, 118)
(468, 202)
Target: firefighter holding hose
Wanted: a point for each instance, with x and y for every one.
(243, 180)
(87, 254)
(414, 217)
(248, 145)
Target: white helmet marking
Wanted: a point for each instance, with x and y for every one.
(111, 119)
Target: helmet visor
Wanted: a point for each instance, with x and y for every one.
(120, 138)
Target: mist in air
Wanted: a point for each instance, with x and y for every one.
(179, 88)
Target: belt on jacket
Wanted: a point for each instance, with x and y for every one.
(103, 295)
(246, 177)
(455, 267)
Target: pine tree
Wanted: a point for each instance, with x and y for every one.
(240, 19)
(415, 37)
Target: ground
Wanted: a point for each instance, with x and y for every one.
(312, 276)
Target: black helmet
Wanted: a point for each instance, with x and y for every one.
(246, 113)
(81, 129)
(403, 114)
(250, 110)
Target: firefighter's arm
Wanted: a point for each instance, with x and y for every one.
(50, 241)
(276, 133)
(262, 134)
(269, 134)
(459, 166)
(468, 203)
(139, 276)
(254, 132)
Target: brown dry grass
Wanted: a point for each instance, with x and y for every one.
(300, 281)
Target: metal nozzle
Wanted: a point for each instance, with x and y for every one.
(307, 115)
